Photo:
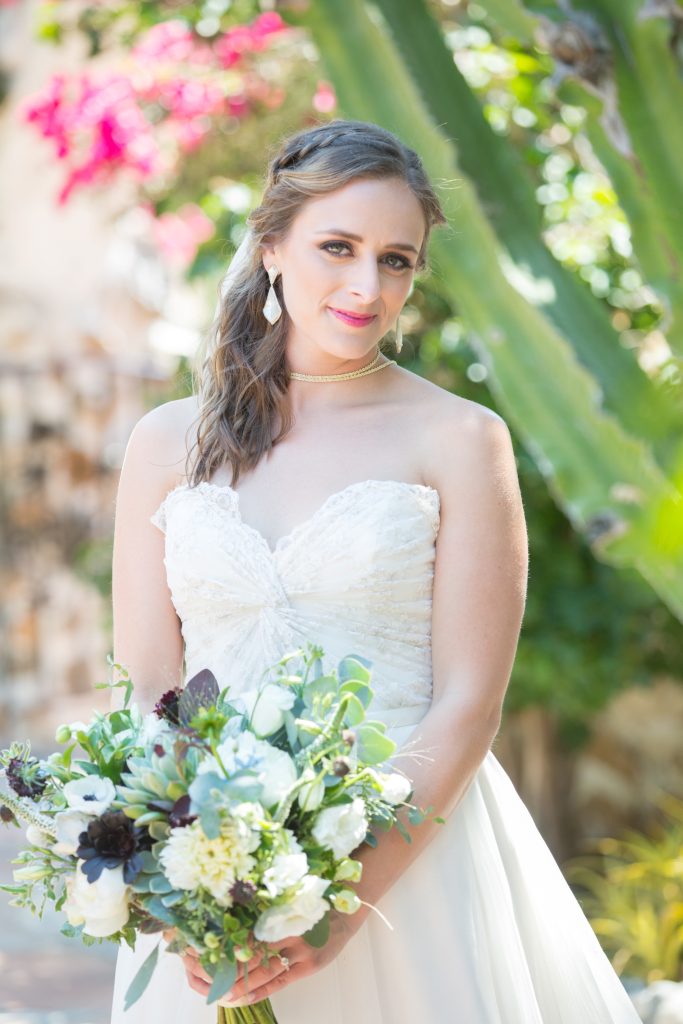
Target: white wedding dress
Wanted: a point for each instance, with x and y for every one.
(485, 928)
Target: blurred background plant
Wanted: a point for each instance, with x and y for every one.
(631, 890)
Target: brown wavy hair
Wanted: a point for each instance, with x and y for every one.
(240, 375)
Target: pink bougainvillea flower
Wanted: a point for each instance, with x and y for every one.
(324, 99)
(179, 234)
(174, 89)
(96, 127)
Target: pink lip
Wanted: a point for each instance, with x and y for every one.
(351, 318)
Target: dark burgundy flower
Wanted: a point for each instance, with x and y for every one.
(167, 706)
(180, 815)
(110, 840)
(242, 892)
(26, 777)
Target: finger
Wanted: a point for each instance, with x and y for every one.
(276, 984)
(195, 969)
(256, 977)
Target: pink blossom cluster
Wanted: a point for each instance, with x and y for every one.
(179, 233)
(102, 122)
(138, 122)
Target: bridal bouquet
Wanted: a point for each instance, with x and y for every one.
(230, 822)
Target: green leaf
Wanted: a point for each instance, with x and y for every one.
(142, 978)
(355, 712)
(360, 690)
(223, 980)
(373, 747)
(318, 935)
(353, 666)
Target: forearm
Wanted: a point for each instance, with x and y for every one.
(456, 740)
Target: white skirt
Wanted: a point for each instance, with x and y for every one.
(485, 931)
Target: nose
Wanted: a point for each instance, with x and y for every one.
(365, 282)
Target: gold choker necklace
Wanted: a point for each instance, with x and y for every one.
(368, 368)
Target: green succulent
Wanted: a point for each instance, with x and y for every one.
(150, 788)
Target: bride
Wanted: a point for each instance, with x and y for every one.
(369, 511)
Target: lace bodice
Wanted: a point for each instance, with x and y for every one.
(355, 577)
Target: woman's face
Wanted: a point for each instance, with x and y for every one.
(324, 269)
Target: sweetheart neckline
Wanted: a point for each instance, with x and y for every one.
(286, 538)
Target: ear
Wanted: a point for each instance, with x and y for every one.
(268, 256)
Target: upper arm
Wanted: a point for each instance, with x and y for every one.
(147, 637)
(480, 573)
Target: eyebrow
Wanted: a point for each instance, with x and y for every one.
(357, 238)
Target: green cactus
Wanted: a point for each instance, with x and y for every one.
(606, 437)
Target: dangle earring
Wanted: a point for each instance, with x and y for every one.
(272, 309)
(398, 335)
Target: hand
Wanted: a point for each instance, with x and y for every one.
(265, 981)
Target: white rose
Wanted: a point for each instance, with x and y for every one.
(90, 795)
(277, 776)
(101, 906)
(69, 825)
(286, 870)
(395, 787)
(265, 706)
(311, 795)
(341, 829)
(297, 916)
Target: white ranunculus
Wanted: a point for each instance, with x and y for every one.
(341, 829)
(311, 795)
(265, 706)
(101, 906)
(90, 795)
(285, 871)
(69, 825)
(395, 787)
(278, 774)
(297, 916)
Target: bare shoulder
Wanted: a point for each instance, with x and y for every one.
(458, 437)
(161, 439)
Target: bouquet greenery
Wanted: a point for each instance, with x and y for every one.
(228, 822)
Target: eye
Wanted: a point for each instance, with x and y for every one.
(403, 263)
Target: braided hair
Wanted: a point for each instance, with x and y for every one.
(241, 378)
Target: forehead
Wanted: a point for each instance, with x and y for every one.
(376, 209)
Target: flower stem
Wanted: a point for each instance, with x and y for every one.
(258, 1013)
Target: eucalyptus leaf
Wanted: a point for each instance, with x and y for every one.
(373, 747)
(142, 978)
(223, 980)
(354, 666)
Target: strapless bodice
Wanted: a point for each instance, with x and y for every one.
(355, 577)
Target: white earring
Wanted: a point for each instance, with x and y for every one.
(398, 335)
(272, 309)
